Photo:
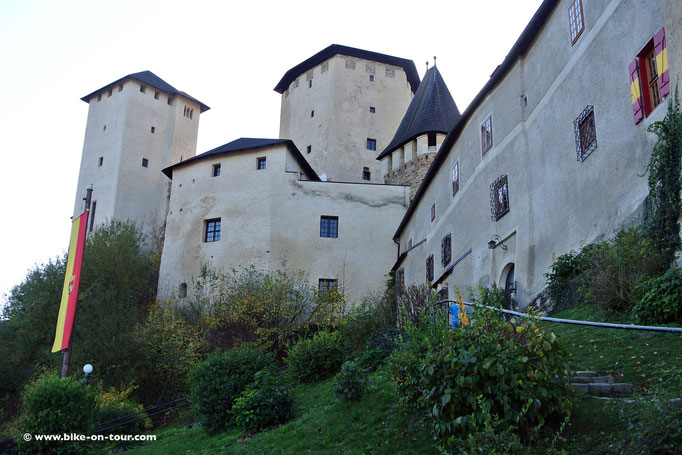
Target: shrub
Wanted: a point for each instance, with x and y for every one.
(655, 426)
(115, 404)
(263, 404)
(217, 381)
(375, 313)
(412, 302)
(661, 300)
(56, 406)
(378, 347)
(494, 369)
(316, 358)
(350, 382)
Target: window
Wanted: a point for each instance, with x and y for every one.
(310, 83)
(216, 170)
(182, 290)
(442, 294)
(499, 198)
(649, 77)
(431, 140)
(145, 162)
(445, 250)
(455, 178)
(372, 110)
(153, 129)
(433, 211)
(101, 161)
(366, 175)
(371, 144)
(400, 281)
(156, 95)
(212, 230)
(260, 163)
(99, 97)
(104, 128)
(309, 149)
(371, 77)
(120, 88)
(585, 133)
(143, 88)
(110, 92)
(169, 101)
(487, 134)
(92, 215)
(575, 20)
(329, 226)
(325, 285)
(409, 243)
(312, 114)
(429, 268)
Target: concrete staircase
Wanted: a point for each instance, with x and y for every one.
(588, 383)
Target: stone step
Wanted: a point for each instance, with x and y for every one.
(603, 389)
(583, 374)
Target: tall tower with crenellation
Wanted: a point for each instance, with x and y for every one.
(137, 126)
(342, 106)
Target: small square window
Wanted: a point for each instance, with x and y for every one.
(153, 129)
(143, 88)
(487, 135)
(309, 149)
(499, 198)
(445, 250)
(260, 163)
(325, 285)
(212, 230)
(372, 110)
(312, 114)
(156, 95)
(575, 20)
(216, 170)
(371, 77)
(455, 178)
(101, 161)
(371, 144)
(433, 211)
(429, 268)
(366, 174)
(585, 134)
(329, 226)
(145, 162)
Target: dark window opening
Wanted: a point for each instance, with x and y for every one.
(445, 250)
(156, 95)
(182, 290)
(309, 149)
(429, 269)
(101, 161)
(216, 170)
(442, 294)
(371, 77)
(431, 139)
(400, 281)
(212, 230)
(312, 114)
(92, 215)
(145, 162)
(371, 144)
(499, 198)
(329, 226)
(260, 163)
(366, 175)
(433, 211)
(372, 109)
(143, 88)
(325, 285)
(153, 129)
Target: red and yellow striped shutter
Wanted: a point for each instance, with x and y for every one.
(636, 92)
(662, 63)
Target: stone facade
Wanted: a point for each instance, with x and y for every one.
(411, 172)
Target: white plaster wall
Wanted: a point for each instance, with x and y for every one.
(556, 203)
(271, 220)
(341, 98)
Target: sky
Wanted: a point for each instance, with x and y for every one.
(228, 54)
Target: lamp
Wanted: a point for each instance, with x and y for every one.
(495, 241)
(87, 369)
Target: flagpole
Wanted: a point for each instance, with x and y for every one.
(67, 352)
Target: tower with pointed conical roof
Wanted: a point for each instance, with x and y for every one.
(430, 115)
(137, 126)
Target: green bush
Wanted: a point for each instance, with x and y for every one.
(654, 426)
(350, 382)
(494, 369)
(263, 404)
(216, 382)
(374, 314)
(115, 404)
(490, 441)
(316, 358)
(56, 406)
(661, 300)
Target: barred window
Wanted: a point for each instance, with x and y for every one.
(585, 134)
(455, 178)
(212, 231)
(575, 20)
(325, 285)
(445, 250)
(329, 226)
(442, 294)
(499, 198)
(429, 268)
(487, 134)
(400, 281)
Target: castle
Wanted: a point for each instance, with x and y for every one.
(375, 170)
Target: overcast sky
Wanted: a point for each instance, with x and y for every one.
(230, 55)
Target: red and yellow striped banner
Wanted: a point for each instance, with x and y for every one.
(67, 308)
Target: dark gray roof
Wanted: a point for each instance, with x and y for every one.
(431, 110)
(523, 43)
(335, 49)
(151, 79)
(249, 143)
